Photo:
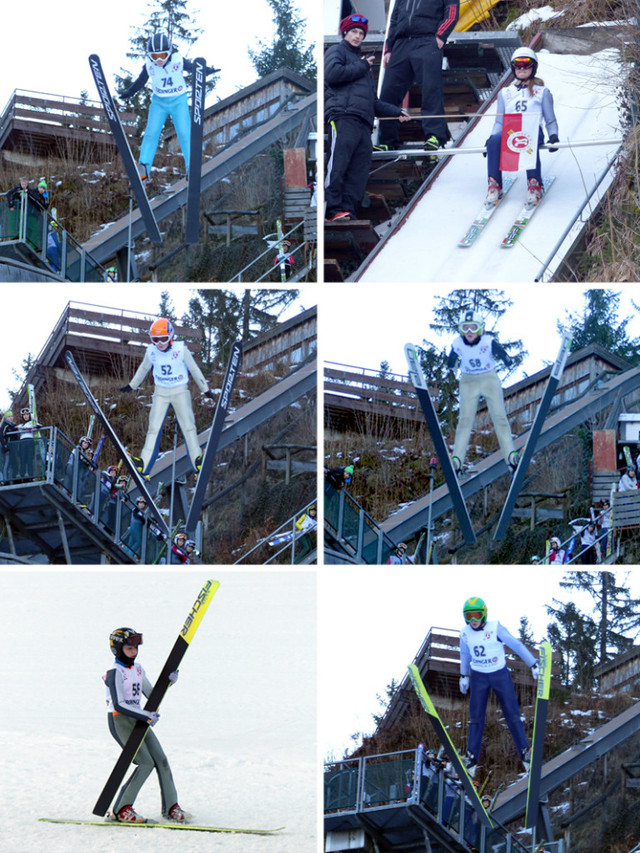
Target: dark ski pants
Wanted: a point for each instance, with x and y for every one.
(412, 60)
(348, 166)
(493, 158)
(502, 685)
(149, 756)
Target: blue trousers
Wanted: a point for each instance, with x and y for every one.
(479, 686)
(161, 108)
(493, 158)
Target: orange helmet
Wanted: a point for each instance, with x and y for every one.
(161, 331)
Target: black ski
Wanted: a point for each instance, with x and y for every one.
(195, 150)
(534, 433)
(156, 696)
(452, 753)
(125, 151)
(214, 436)
(539, 726)
(136, 476)
(419, 383)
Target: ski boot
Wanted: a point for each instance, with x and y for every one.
(494, 193)
(178, 815)
(198, 464)
(470, 762)
(431, 144)
(457, 466)
(526, 759)
(339, 217)
(534, 192)
(513, 460)
(127, 815)
(143, 171)
(138, 463)
(381, 147)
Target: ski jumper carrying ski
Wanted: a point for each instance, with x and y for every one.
(483, 668)
(476, 353)
(171, 363)
(517, 131)
(165, 68)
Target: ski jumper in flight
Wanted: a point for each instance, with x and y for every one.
(171, 363)
(164, 67)
(483, 667)
(126, 682)
(475, 353)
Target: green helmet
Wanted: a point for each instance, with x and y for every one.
(474, 606)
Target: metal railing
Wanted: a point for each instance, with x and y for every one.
(29, 231)
(292, 544)
(239, 275)
(355, 529)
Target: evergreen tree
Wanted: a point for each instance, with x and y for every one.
(525, 632)
(287, 48)
(599, 324)
(166, 308)
(575, 637)
(384, 701)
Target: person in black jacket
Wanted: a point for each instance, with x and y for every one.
(413, 51)
(351, 106)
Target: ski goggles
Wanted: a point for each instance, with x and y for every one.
(133, 640)
(523, 62)
(358, 19)
(470, 327)
(160, 339)
(25, 411)
(163, 54)
(474, 614)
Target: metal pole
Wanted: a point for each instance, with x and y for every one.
(432, 466)
(401, 154)
(129, 235)
(173, 470)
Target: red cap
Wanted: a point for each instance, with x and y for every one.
(352, 22)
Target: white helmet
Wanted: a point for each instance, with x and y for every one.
(470, 319)
(525, 53)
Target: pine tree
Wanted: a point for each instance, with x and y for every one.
(599, 324)
(287, 50)
(575, 637)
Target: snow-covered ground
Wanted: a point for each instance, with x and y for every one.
(425, 248)
(239, 727)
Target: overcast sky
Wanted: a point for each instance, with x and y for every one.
(47, 45)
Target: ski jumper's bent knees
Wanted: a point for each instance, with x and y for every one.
(472, 387)
(180, 400)
(493, 157)
(149, 756)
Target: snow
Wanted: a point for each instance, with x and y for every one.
(585, 90)
(544, 13)
(239, 727)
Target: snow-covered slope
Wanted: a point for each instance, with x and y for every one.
(425, 247)
(239, 727)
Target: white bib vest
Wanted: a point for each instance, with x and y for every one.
(477, 358)
(520, 101)
(167, 81)
(169, 369)
(487, 652)
(132, 679)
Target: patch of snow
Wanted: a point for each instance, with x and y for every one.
(544, 13)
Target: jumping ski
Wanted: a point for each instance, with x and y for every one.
(136, 476)
(452, 752)
(484, 215)
(534, 433)
(195, 150)
(156, 696)
(281, 252)
(417, 377)
(539, 725)
(214, 436)
(151, 824)
(521, 222)
(123, 147)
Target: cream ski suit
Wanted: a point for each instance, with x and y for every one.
(478, 378)
(171, 369)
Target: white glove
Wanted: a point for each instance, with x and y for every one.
(534, 671)
(153, 716)
(173, 676)
(464, 684)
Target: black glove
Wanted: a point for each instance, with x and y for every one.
(126, 388)
(210, 395)
(486, 145)
(552, 140)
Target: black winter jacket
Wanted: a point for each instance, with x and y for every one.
(349, 88)
(422, 18)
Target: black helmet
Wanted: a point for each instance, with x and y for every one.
(158, 43)
(122, 637)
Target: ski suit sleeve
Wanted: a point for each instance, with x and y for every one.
(465, 657)
(339, 72)
(548, 113)
(195, 371)
(449, 21)
(453, 360)
(515, 645)
(141, 372)
(497, 125)
(113, 680)
(137, 84)
(147, 686)
(498, 351)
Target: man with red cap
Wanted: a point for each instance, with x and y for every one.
(351, 106)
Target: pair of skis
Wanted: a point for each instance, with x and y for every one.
(519, 223)
(537, 747)
(417, 377)
(195, 150)
(152, 824)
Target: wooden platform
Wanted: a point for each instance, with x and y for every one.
(346, 244)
